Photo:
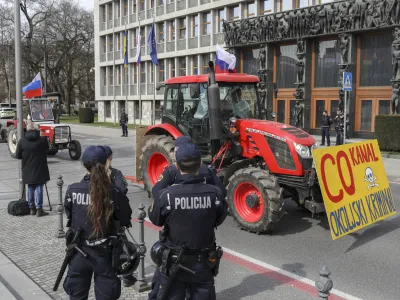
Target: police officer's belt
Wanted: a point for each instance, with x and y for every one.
(190, 258)
(99, 242)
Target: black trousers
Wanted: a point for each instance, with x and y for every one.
(124, 129)
(325, 133)
(339, 137)
(107, 285)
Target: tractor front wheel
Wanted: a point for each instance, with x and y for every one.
(12, 142)
(255, 200)
(157, 154)
(75, 150)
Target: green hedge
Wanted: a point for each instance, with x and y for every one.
(386, 132)
(86, 115)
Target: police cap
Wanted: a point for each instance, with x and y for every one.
(187, 151)
(108, 150)
(182, 140)
(94, 154)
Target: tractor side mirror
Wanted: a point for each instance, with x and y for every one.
(160, 86)
(273, 115)
(195, 91)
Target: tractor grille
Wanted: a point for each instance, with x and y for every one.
(282, 153)
(61, 134)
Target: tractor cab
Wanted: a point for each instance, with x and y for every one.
(40, 110)
(187, 106)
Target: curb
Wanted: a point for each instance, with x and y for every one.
(391, 156)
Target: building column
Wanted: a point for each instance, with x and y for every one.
(266, 74)
(396, 68)
(348, 49)
(101, 112)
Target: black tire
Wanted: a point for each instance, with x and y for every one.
(271, 193)
(3, 135)
(75, 150)
(12, 141)
(162, 144)
(52, 152)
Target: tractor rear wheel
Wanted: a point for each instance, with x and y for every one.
(75, 150)
(255, 200)
(3, 135)
(157, 154)
(12, 142)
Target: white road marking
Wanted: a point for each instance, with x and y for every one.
(78, 135)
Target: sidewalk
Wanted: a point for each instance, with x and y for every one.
(31, 257)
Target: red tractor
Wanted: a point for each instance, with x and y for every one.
(58, 135)
(261, 162)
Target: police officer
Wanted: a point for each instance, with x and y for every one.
(325, 128)
(171, 174)
(189, 212)
(97, 209)
(115, 175)
(339, 119)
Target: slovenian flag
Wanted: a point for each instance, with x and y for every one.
(138, 48)
(225, 62)
(33, 89)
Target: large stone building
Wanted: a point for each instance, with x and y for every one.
(305, 46)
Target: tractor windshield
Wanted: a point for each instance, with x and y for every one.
(238, 100)
(41, 110)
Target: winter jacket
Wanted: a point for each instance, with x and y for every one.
(32, 149)
(124, 118)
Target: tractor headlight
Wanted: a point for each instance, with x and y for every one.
(303, 151)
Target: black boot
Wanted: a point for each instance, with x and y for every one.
(40, 212)
(129, 280)
(33, 210)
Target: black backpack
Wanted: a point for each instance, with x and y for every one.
(19, 207)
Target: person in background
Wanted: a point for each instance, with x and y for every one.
(32, 150)
(100, 211)
(123, 121)
(325, 128)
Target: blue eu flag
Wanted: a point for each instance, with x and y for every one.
(153, 46)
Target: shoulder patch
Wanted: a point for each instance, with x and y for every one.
(160, 178)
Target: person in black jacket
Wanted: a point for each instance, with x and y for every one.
(32, 149)
(189, 211)
(99, 209)
(325, 128)
(123, 121)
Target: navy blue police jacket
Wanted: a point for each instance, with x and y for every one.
(119, 180)
(76, 204)
(192, 210)
(171, 175)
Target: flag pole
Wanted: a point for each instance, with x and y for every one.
(155, 79)
(115, 107)
(139, 83)
(126, 71)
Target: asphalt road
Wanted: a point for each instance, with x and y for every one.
(364, 264)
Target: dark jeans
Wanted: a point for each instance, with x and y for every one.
(77, 283)
(124, 129)
(35, 195)
(339, 138)
(325, 133)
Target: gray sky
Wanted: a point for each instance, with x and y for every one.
(87, 3)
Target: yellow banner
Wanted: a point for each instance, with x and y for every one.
(354, 186)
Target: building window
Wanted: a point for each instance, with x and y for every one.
(151, 73)
(384, 107)
(182, 66)
(134, 73)
(143, 73)
(286, 66)
(118, 41)
(161, 32)
(117, 10)
(161, 71)
(141, 5)
(104, 15)
(195, 26)
(195, 65)
(111, 76)
(133, 5)
(233, 13)
(221, 17)
(172, 30)
(334, 108)
(286, 5)
(265, 7)
(206, 23)
(250, 61)
(104, 42)
(142, 37)
(108, 109)
(160, 2)
(251, 9)
(302, 3)
(182, 28)
(319, 109)
(206, 60)
(110, 45)
(118, 75)
(366, 115)
(172, 73)
(110, 12)
(375, 59)
(104, 73)
(125, 8)
(327, 60)
(151, 4)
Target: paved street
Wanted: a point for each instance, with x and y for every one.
(279, 266)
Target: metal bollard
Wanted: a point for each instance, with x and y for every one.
(141, 285)
(60, 208)
(324, 285)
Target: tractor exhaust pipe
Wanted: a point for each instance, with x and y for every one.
(214, 103)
